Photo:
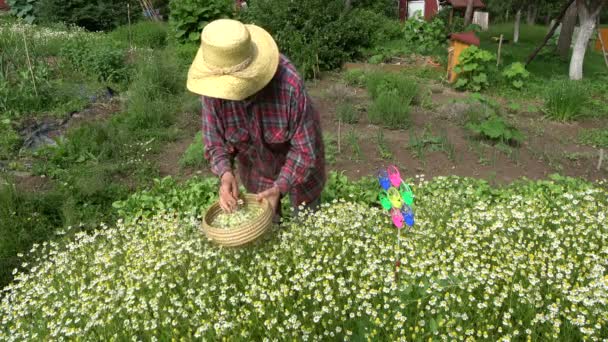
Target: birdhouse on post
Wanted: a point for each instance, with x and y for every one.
(458, 43)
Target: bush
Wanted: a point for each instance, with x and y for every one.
(473, 68)
(189, 17)
(97, 56)
(145, 34)
(401, 85)
(565, 100)
(9, 139)
(94, 16)
(423, 36)
(316, 35)
(496, 129)
(347, 112)
(23, 9)
(460, 270)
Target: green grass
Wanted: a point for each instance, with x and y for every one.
(331, 148)
(383, 148)
(143, 34)
(565, 100)
(347, 112)
(353, 141)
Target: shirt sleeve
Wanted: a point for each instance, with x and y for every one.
(303, 150)
(216, 151)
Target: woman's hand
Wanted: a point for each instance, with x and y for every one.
(272, 195)
(229, 192)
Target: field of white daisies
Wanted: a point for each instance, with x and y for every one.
(523, 262)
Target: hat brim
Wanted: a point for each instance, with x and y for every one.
(259, 72)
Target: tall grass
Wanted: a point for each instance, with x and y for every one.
(565, 100)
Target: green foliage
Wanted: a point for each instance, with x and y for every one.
(389, 110)
(473, 69)
(331, 148)
(594, 137)
(188, 198)
(354, 77)
(145, 34)
(23, 9)
(338, 186)
(316, 35)
(516, 74)
(423, 36)
(100, 57)
(565, 100)
(347, 112)
(194, 156)
(496, 129)
(189, 17)
(392, 96)
(353, 141)
(92, 15)
(383, 148)
(25, 218)
(421, 143)
(9, 139)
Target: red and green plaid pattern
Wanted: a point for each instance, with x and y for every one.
(275, 136)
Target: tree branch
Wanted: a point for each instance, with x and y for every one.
(558, 20)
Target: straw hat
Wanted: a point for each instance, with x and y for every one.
(234, 61)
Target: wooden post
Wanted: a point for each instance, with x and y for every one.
(599, 163)
(451, 16)
(499, 49)
(29, 63)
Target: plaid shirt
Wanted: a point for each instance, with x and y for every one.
(275, 136)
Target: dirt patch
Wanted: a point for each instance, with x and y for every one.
(549, 147)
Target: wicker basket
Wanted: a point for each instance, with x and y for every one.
(244, 234)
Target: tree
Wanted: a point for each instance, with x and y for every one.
(565, 36)
(516, 28)
(468, 14)
(588, 13)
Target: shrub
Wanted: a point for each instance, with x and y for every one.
(92, 15)
(97, 56)
(355, 77)
(194, 156)
(565, 100)
(516, 74)
(473, 68)
(315, 34)
(145, 34)
(189, 17)
(9, 139)
(423, 36)
(23, 9)
(380, 82)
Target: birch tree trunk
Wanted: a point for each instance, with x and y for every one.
(588, 11)
(531, 17)
(468, 15)
(516, 29)
(565, 36)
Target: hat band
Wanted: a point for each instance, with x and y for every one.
(213, 71)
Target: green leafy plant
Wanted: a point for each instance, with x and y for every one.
(23, 9)
(354, 77)
(331, 148)
(516, 74)
(473, 69)
(194, 156)
(145, 34)
(92, 15)
(189, 17)
(565, 100)
(424, 36)
(496, 129)
(594, 137)
(102, 58)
